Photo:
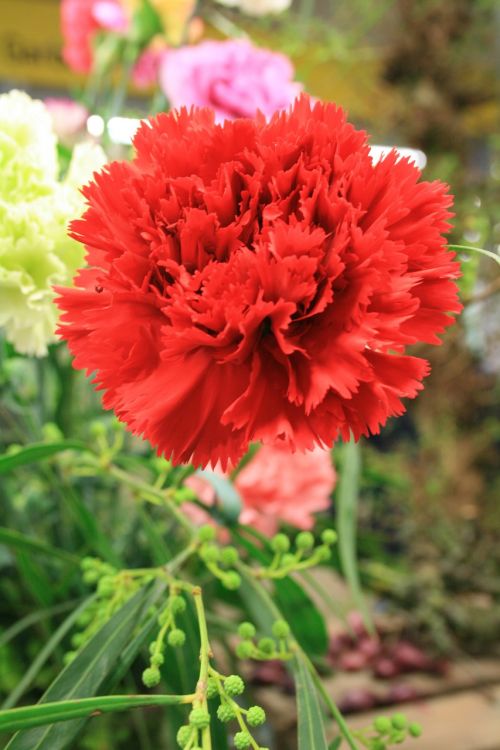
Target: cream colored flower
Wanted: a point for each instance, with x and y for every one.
(35, 209)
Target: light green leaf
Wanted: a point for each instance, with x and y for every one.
(346, 503)
(37, 452)
(85, 676)
(229, 500)
(311, 724)
(43, 714)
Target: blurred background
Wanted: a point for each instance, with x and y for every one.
(419, 74)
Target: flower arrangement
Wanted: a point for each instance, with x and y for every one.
(244, 289)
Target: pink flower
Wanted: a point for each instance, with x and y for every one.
(233, 77)
(80, 20)
(276, 486)
(145, 72)
(68, 117)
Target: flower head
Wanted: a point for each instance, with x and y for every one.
(233, 77)
(35, 208)
(275, 486)
(81, 20)
(258, 281)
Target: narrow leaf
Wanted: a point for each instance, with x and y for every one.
(37, 452)
(347, 507)
(18, 541)
(229, 500)
(84, 676)
(311, 725)
(44, 654)
(44, 714)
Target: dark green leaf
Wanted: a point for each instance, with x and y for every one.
(84, 676)
(18, 541)
(335, 744)
(311, 726)
(37, 452)
(41, 658)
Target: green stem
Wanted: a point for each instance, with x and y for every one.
(205, 652)
(43, 714)
(149, 493)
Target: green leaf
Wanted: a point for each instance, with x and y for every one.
(310, 719)
(32, 619)
(307, 622)
(37, 452)
(335, 744)
(44, 714)
(84, 676)
(480, 250)
(44, 654)
(347, 506)
(229, 500)
(20, 542)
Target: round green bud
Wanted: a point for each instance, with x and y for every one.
(152, 647)
(184, 735)
(229, 556)
(78, 640)
(246, 630)
(91, 576)
(69, 656)
(177, 604)
(256, 716)
(206, 533)
(288, 560)
(106, 586)
(164, 616)
(85, 618)
(234, 685)
(176, 638)
(210, 553)
(89, 563)
(323, 552)
(244, 650)
(280, 543)
(151, 677)
(415, 729)
(212, 688)
(304, 541)
(382, 724)
(242, 740)
(199, 718)
(399, 721)
(329, 537)
(267, 646)
(226, 713)
(157, 659)
(281, 629)
(398, 737)
(185, 495)
(97, 429)
(378, 744)
(231, 580)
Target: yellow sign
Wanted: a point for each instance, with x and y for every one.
(31, 43)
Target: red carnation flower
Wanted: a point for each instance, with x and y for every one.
(258, 281)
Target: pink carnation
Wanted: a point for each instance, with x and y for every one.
(233, 77)
(276, 485)
(80, 20)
